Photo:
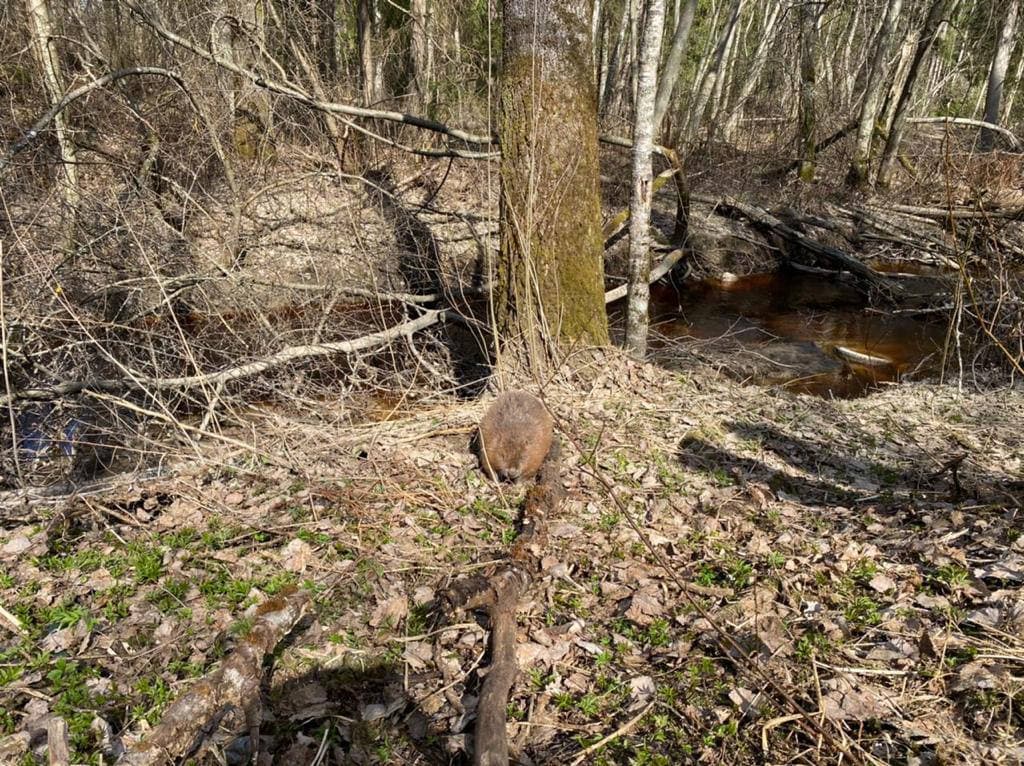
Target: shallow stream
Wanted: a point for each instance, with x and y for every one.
(808, 333)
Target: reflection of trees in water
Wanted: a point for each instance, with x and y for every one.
(792, 330)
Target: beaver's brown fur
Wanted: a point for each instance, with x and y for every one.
(514, 436)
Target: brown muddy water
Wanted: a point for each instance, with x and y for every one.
(807, 333)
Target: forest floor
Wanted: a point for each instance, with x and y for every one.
(866, 555)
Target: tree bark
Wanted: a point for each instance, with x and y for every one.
(673, 64)
(1016, 83)
(550, 270)
(366, 23)
(997, 74)
(638, 295)
(612, 84)
(45, 52)
(707, 84)
(924, 44)
(419, 11)
(809, 13)
(860, 165)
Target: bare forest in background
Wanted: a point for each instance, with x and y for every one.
(261, 260)
(205, 204)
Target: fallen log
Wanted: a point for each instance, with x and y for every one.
(499, 592)
(760, 217)
(233, 687)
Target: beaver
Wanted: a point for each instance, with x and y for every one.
(514, 436)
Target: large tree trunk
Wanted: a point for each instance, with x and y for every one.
(860, 165)
(370, 67)
(638, 294)
(809, 13)
(1016, 83)
(673, 65)
(550, 283)
(612, 82)
(997, 74)
(46, 56)
(924, 44)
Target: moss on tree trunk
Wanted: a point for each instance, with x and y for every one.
(550, 287)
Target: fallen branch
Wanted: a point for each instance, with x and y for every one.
(500, 594)
(1012, 213)
(34, 132)
(761, 217)
(235, 686)
(657, 273)
(288, 354)
(285, 355)
(1015, 143)
(293, 91)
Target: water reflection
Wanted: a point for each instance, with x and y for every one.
(808, 333)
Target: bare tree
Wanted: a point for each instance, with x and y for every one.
(673, 64)
(419, 13)
(859, 166)
(760, 57)
(713, 72)
(44, 49)
(368, 25)
(997, 73)
(550, 270)
(924, 44)
(638, 294)
(809, 15)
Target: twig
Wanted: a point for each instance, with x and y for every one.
(626, 727)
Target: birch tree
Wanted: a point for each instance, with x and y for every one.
(45, 52)
(638, 292)
(924, 44)
(419, 14)
(716, 70)
(673, 64)
(997, 74)
(809, 13)
(758, 61)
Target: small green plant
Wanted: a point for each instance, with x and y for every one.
(69, 614)
(148, 565)
(952, 576)
(810, 643)
(863, 570)
(169, 598)
(862, 612)
(775, 560)
(155, 694)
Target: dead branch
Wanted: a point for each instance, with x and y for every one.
(293, 91)
(284, 356)
(234, 686)
(663, 268)
(1015, 143)
(34, 132)
(761, 217)
(500, 594)
(942, 214)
